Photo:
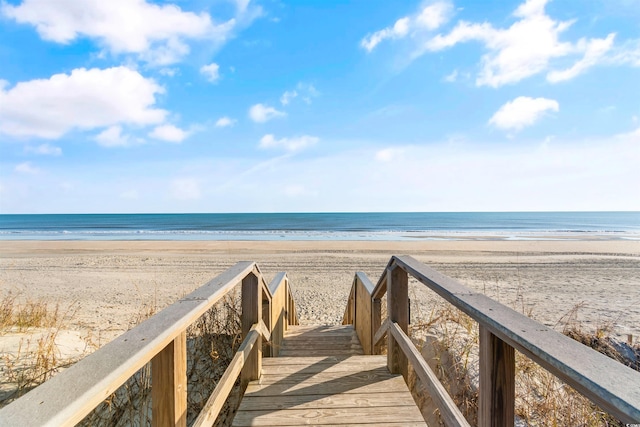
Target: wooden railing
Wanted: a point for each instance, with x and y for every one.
(69, 396)
(609, 384)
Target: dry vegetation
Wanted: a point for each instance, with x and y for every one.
(448, 340)
(37, 357)
(211, 344)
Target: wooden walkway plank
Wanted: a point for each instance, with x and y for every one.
(317, 401)
(323, 378)
(326, 416)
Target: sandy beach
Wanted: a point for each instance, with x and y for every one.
(107, 283)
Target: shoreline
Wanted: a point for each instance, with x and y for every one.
(109, 281)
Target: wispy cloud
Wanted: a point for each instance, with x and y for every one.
(525, 48)
(225, 121)
(288, 144)
(303, 91)
(169, 133)
(45, 150)
(113, 137)
(27, 168)
(211, 72)
(522, 112)
(429, 18)
(261, 113)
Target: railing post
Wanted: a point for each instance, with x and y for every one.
(398, 311)
(376, 322)
(169, 384)
(267, 307)
(287, 306)
(251, 313)
(497, 381)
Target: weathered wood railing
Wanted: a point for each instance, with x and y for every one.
(68, 397)
(611, 385)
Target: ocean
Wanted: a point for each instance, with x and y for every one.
(325, 226)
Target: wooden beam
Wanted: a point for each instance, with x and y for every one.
(212, 408)
(89, 381)
(398, 311)
(376, 319)
(169, 384)
(251, 314)
(381, 332)
(497, 381)
(606, 382)
(362, 314)
(448, 409)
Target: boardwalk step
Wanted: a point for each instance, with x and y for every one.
(320, 340)
(323, 378)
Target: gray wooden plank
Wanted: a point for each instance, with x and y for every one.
(277, 361)
(325, 352)
(322, 338)
(320, 330)
(319, 367)
(318, 401)
(609, 384)
(88, 382)
(354, 376)
(311, 346)
(326, 416)
(340, 385)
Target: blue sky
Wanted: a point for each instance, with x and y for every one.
(278, 106)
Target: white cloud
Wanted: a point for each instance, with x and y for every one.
(595, 50)
(304, 91)
(388, 154)
(157, 33)
(261, 113)
(288, 144)
(288, 96)
(169, 72)
(522, 112)
(452, 77)
(224, 122)
(430, 18)
(399, 30)
(627, 53)
(113, 137)
(633, 136)
(169, 133)
(45, 149)
(435, 15)
(84, 99)
(27, 168)
(211, 71)
(525, 48)
(185, 189)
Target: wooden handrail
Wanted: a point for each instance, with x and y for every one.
(214, 404)
(448, 409)
(68, 397)
(609, 384)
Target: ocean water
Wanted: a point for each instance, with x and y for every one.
(324, 226)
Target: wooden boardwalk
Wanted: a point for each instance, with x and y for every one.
(323, 378)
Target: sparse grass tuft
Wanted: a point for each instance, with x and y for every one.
(211, 344)
(37, 357)
(18, 317)
(449, 341)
